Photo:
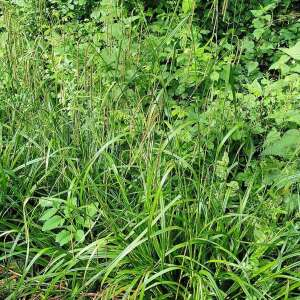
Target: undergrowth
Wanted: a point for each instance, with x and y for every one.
(149, 149)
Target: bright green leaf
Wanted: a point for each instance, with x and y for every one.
(255, 88)
(280, 63)
(257, 33)
(50, 202)
(284, 147)
(53, 223)
(79, 235)
(91, 210)
(293, 52)
(44, 202)
(48, 214)
(188, 6)
(251, 66)
(292, 116)
(214, 76)
(63, 237)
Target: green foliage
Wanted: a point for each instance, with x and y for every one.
(293, 52)
(188, 6)
(286, 146)
(62, 212)
(149, 149)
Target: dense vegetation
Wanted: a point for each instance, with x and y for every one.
(149, 149)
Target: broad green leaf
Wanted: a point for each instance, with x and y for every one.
(88, 223)
(287, 177)
(260, 12)
(52, 223)
(80, 220)
(70, 206)
(91, 209)
(116, 31)
(248, 45)
(251, 66)
(293, 52)
(50, 202)
(48, 214)
(272, 137)
(96, 13)
(79, 235)
(279, 64)
(63, 237)
(257, 33)
(257, 13)
(260, 234)
(214, 76)
(271, 172)
(72, 202)
(255, 88)
(44, 202)
(188, 6)
(295, 68)
(284, 147)
(258, 23)
(292, 116)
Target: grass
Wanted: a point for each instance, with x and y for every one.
(92, 134)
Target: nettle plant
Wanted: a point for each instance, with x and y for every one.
(68, 221)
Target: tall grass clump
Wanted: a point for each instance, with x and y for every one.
(149, 149)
